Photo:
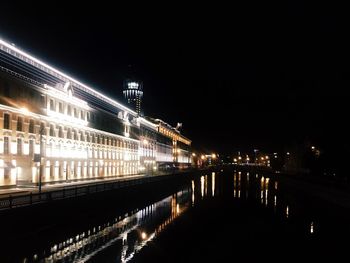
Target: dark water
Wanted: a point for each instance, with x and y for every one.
(226, 216)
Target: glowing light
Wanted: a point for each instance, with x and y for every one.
(145, 142)
(266, 157)
(202, 157)
(312, 228)
(213, 156)
(202, 186)
(288, 153)
(235, 160)
(24, 110)
(262, 158)
(313, 147)
(193, 154)
(239, 158)
(143, 235)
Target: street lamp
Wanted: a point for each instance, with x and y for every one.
(42, 128)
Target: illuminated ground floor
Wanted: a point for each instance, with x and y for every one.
(25, 171)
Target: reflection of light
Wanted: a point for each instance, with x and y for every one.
(312, 228)
(287, 211)
(177, 208)
(143, 235)
(192, 192)
(212, 183)
(202, 186)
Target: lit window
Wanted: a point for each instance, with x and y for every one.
(19, 146)
(52, 105)
(52, 130)
(6, 145)
(31, 148)
(76, 113)
(60, 132)
(69, 110)
(69, 133)
(31, 126)
(6, 121)
(19, 123)
(60, 107)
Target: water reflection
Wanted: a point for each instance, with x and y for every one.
(202, 186)
(128, 234)
(213, 183)
(192, 184)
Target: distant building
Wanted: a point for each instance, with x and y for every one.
(133, 94)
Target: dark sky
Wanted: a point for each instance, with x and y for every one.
(237, 76)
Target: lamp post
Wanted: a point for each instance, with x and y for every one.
(41, 155)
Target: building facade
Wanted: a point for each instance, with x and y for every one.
(55, 128)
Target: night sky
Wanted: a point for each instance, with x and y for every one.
(238, 77)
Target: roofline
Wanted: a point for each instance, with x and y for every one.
(62, 75)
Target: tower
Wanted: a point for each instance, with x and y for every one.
(133, 94)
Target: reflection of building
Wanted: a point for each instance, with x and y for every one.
(133, 94)
(85, 134)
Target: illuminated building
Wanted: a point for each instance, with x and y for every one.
(180, 144)
(133, 94)
(84, 133)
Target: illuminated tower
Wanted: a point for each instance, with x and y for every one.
(133, 94)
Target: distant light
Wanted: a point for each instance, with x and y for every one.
(312, 228)
(239, 158)
(234, 159)
(143, 235)
(266, 157)
(262, 158)
(213, 156)
(288, 153)
(193, 154)
(202, 157)
(313, 147)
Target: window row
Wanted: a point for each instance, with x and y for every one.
(67, 132)
(69, 110)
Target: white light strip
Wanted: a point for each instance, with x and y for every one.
(113, 102)
(150, 124)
